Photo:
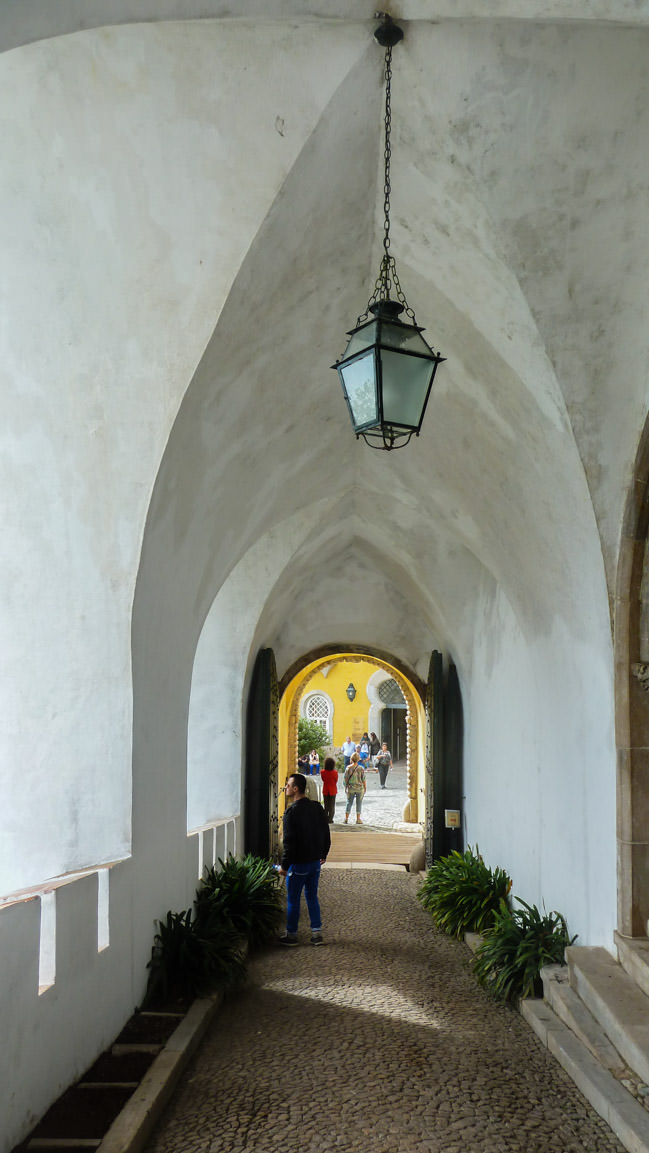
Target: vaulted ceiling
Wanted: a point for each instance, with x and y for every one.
(217, 180)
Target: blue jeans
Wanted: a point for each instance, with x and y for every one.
(303, 877)
(358, 797)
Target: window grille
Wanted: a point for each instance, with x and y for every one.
(318, 709)
(390, 694)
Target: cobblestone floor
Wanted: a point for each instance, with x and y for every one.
(382, 808)
(381, 1042)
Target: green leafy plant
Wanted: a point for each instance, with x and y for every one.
(462, 893)
(311, 735)
(237, 904)
(515, 948)
(187, 961)
(244, 892)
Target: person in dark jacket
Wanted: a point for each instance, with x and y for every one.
(307, 841)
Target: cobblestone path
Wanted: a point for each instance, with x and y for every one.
(380, 1042)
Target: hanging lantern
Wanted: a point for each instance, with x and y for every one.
(387, 369)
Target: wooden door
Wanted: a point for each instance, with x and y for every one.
(444, 760)
(260, 804)
(434, 832)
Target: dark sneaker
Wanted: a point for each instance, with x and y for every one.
(316, 939)
(288, 939)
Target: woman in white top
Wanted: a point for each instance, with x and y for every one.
(384, 763)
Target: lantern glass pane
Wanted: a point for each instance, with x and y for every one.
(405, 388)
(359, 382)
(407, 338)
(363, 338)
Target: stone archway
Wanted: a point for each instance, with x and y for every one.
(314, 661)
(632, 703)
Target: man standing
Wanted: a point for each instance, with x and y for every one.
(307, 841)
(348, 748)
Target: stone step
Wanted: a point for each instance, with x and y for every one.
(125, 1050)
(626, 1117)
(616, 1002)
(53, 1143)
(570, 1009)
(633, 955)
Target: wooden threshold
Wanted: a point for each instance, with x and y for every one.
(360, 844)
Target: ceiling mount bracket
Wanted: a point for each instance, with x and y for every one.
(388, 33)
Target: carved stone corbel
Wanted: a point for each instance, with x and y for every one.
(640, 671)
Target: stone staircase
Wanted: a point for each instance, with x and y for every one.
(594, 1018)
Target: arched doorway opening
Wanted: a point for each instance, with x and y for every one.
(392, 726)
(372, 669)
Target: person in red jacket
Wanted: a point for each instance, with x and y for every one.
(329, 778)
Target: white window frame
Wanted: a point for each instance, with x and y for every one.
(329, 725)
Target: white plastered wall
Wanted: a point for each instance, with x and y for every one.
(540, 794)
(155, 195)
(222, 664)
(128, 211)
(126, 216)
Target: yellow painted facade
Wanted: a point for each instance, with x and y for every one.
(350, 718)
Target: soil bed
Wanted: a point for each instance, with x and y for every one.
(83, 1113)
(89, 1113)
(149, 1029)
(128, 1067)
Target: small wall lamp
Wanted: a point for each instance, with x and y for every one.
(351, 691)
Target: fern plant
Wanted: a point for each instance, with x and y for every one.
(462, 893)
(516, 947)
(246, 892)
(187, 961)
(237, 903)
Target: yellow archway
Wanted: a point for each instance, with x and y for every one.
(293, 689)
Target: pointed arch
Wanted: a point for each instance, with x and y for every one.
(295, 682)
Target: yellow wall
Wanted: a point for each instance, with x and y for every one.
(351, 718)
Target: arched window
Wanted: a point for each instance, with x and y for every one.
(390, 694)
(317, 707)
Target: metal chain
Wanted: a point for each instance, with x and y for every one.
(387, 157)
(387, 277)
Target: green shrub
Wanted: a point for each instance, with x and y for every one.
(462, 893)
(187, 962)
(197, 951)
(245, 892)
(311, 735)
(515, 948)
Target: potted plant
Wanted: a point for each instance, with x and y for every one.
(462, 893)
(515, 948)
